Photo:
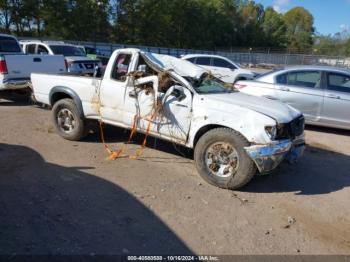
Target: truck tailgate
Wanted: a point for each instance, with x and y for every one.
(21, 66)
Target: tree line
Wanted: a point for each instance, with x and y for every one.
(196, 24)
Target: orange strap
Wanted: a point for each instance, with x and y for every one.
(116, 154)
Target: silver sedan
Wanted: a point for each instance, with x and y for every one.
(321, 93)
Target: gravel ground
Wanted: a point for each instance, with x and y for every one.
(62, 197)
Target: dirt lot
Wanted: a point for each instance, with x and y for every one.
(61, 197)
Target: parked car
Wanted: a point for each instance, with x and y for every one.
(15, 67)
(233, 134)
(221, 67)
(76, 59)
(321, 93)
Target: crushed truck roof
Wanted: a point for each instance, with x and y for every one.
(181, 67)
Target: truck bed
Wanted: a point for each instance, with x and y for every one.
(84, 86)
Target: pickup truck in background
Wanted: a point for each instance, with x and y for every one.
(233, 135)
(16, 67)
(76, 59)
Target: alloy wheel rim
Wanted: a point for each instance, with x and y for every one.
(65, 120)
(221, 159)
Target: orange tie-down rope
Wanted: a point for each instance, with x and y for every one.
(116, 154)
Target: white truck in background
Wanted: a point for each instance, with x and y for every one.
(233, 134)
(76, 59)
(16, 67)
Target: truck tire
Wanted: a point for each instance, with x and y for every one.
(67, 120)
(221, 159)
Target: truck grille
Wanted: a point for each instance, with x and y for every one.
(89, 66)
(292, 129)
(86, 65)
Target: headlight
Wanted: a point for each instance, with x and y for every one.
(271, 131)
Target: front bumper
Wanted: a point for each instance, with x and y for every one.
(268, 157)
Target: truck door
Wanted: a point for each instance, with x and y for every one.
(113, 88)
(175, 120)
(165, 111)
(167, 114)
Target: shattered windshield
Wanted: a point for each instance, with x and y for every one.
(211, 85)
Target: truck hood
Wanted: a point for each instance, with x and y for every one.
(279, 111)
(181, 67)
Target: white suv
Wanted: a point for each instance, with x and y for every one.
(77, 62)
(221, 67)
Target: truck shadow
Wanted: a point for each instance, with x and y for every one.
(15, 98)
(319, 171)
(115, 134)
(52, 209)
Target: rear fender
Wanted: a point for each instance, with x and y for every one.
(59, 92)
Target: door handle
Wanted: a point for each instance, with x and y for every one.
(132, 94)
(333, 96)
(36, 59)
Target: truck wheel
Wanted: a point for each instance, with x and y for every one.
(221, 159)
(67, 121)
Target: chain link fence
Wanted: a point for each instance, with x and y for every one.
(255, 58)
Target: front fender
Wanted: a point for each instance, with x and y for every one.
(249, 124)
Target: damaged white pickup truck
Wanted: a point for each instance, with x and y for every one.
(234, 135)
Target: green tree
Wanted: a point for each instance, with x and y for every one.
(77, 19)
(177, 23)
(274, 29)
(347, 48)
(300, 28)
(5, 16)
(251, 18)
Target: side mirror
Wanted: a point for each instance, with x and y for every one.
(179, 94)
(141, 68)
(177, 91)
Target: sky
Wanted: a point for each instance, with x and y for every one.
(330, 16)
